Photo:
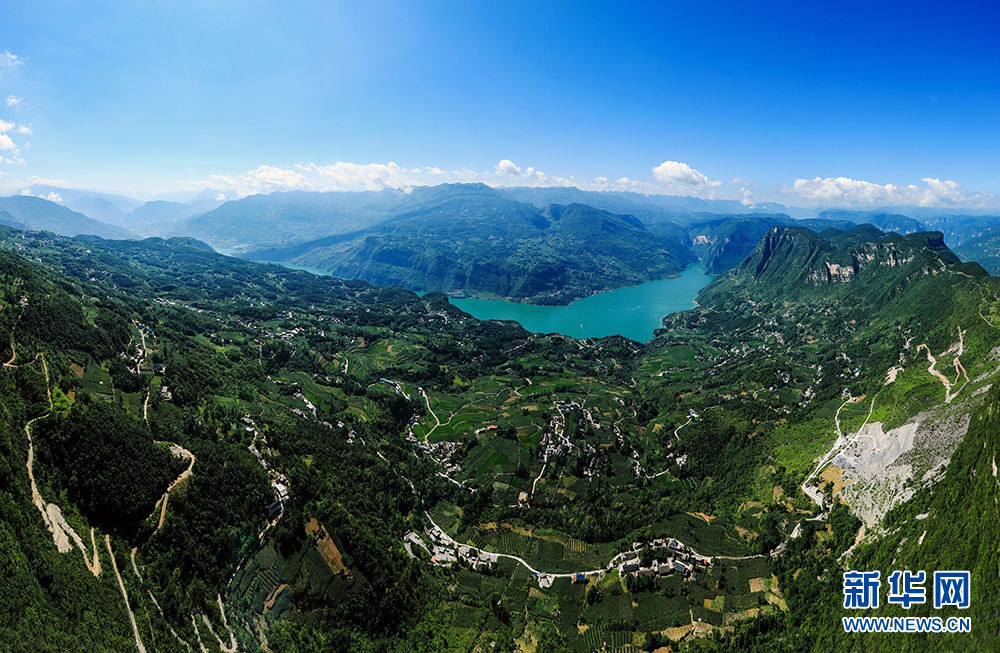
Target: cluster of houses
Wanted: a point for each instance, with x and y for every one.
(396, 385)
(442, 452)
(552, 446)
(309, 405)
(446, 553)
(278, 480)
(676, 558)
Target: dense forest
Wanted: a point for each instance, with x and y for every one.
(227, 454)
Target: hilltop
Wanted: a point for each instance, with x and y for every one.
(472, 241)
(35, 213)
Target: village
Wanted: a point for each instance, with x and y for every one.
(658, 557)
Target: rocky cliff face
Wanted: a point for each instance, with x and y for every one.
(887, 254)
(785, 252)
(792, 253)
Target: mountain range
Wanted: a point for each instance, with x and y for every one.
(473, 241)
(431, 238)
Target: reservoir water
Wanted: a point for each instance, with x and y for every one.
(633, 312)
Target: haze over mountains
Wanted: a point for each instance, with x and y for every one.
(540, 245)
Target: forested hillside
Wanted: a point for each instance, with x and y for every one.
(268, 458)
(472, 241)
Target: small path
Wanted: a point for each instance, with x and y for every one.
(233, 647)
(537, 478)
(612, 564)
(52, 515)
(145, 352)
(518, 559)
(429, 410)
(677, 430)
(958, 349)
(178, 452)
(194, 624)
(13, 349)
(121, 586)
(839, 446)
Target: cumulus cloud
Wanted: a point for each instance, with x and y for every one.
(9, 60)
(747, 197)
(339, 176)
(11, 127)
(52, 196)
(47, 181)
(347, 176)
(508, 173)
(844, 190)
(621, 184)
(6, 143)
(681, 175)
(370, 176)
(668, 177)
(14, 101)
(507, 167)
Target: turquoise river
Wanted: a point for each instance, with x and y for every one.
(634, 312)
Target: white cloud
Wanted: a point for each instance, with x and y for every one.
(507, 167)
(11, 127)
(669, 177)
(347, 176)
(746, 197)
(506, 172)
(14, 101)
(844, 190)
(6, 143)
(621, 184)
(339, 176)
(682, 176)
(9, 60)
(52, 196)
(47, 181)
(369, 176)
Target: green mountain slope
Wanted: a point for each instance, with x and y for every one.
(472, 241)
(359, 468)
(281, 218)
(984, 249)
(37, 213)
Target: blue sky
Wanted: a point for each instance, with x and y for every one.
(739, 100)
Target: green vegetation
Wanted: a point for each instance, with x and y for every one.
(469, 240)
(313, 434)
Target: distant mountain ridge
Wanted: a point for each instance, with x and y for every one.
(36, 213)
(901, 224)
(299, 224)
(471, 240)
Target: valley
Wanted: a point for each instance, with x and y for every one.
(541, 488)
